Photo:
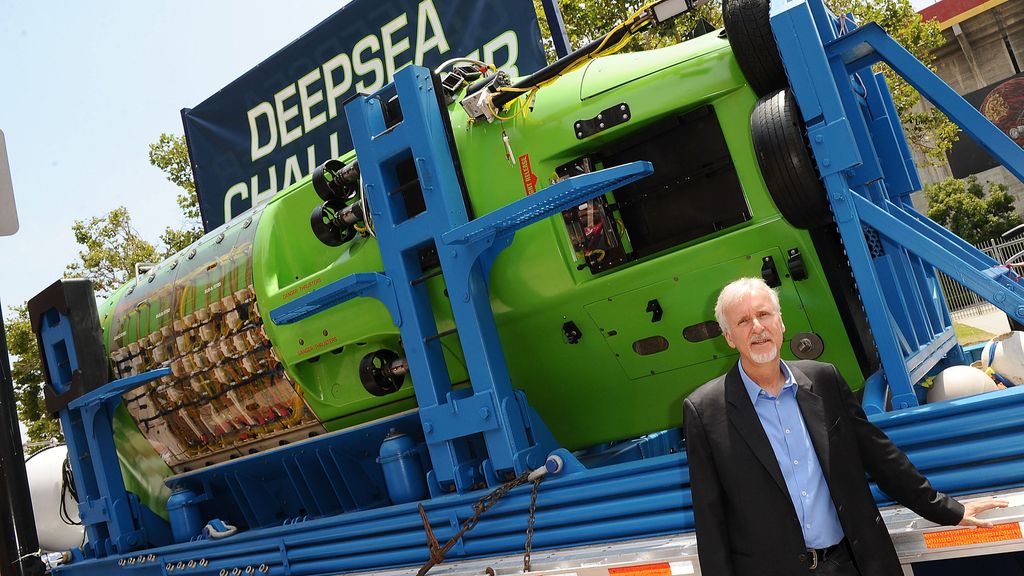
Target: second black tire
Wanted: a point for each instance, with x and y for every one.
(753, 44)
(787, 165)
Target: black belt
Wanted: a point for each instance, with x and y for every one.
(816, 555)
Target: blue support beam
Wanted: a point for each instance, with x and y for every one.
(114, 520)
(868, 172)
(466, 249)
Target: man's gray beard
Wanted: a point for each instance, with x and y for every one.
(766, 357)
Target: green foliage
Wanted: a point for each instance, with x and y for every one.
(111, 250)
(587, 21)
(170, 154)
(28, 379)
(964, 208)
(930, 132)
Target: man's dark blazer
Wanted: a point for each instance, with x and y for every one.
(745, 520)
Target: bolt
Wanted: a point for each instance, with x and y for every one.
(622, 107)
(151, 557)
(485, 413)
(428, 427)
(454, 253)
(140, 559)
(465, 297)
(826, 162)
(250, 570)
(131, 561)
(236, 571)
(601, 125)
(223, 572)
(599, 117)
(191, 563)
(819, 138)
(121, 562)
(625, 116)
(203, 562)
(1020, 310)
(805, 344)
(180, 566)
(579, 134)
(264, 568)
(169, 567)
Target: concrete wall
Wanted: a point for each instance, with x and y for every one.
(977, 53)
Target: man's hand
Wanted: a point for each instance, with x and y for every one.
(972, 509)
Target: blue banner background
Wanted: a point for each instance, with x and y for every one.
(222, 144)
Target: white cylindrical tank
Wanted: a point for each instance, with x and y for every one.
(960, 381)
(1005, 355)
(44, 469)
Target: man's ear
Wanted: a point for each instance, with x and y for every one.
(728, 340)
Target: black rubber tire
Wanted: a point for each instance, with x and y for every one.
(753, 44)
(787, 165)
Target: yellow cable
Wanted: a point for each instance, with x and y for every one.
(523, 107)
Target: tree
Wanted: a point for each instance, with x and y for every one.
(170, 154)
(965, 209)
(587, 21)
(27, 374)
(112, 247)
(930, 132)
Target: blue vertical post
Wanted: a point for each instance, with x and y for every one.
(557, 26)
(492, 408)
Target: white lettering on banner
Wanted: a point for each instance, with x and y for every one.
(391, 47)
(286, 114)
(258, 195)
(260, 150)
(362, 68)
(307, 101)
(336, 89)
(292, 172)
(299, 107)
(427, 14)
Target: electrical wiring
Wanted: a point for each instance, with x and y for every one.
(637, 21)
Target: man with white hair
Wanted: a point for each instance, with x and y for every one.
(778, 453)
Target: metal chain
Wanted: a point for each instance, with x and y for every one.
(529, 525)
(437, 552)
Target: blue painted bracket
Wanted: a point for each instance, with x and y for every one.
(868, 172)
(115, 521)
(466, 249)
(368, 284)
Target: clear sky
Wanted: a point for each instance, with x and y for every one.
(87, 86)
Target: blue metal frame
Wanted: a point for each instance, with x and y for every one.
(866, 166)
(865, 163)
(466, 250)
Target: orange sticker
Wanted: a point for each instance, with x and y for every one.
(662, 569)
(529, 178)
(965, 536)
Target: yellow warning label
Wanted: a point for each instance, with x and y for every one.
(965, 536)
(662, 569)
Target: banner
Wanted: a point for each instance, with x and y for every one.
(1003, 104)
(271, 127)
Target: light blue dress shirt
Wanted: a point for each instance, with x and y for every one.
(783, 423)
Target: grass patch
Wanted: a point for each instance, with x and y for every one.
(968, 335)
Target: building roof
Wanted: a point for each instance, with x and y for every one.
(950, 12)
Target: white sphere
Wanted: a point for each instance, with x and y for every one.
(960, 381)
(44, 484)
(1005, 355)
